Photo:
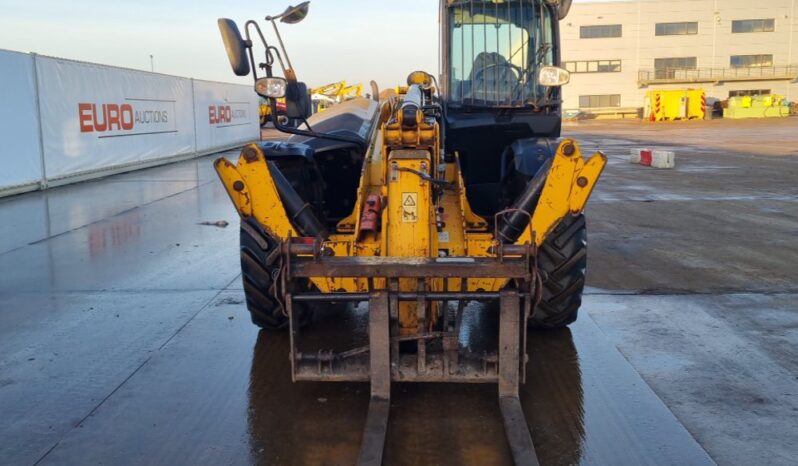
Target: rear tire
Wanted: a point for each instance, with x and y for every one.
(562, 260)
(259, 268)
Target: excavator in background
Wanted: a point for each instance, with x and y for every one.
(350, 92)
(455, 189)
(322, 98)
(329, 90)
(328, 95)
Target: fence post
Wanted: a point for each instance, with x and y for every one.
(43, 181)
(194, 116)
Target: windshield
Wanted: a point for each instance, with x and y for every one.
(495, 49)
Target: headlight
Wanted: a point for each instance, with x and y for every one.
(271, 87)
(553, 76)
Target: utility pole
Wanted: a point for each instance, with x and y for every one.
(152, 64)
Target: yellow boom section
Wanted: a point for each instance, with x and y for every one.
(251, 188)
(569, 184)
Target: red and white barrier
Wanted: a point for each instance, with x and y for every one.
(635, 155)
(653, 158)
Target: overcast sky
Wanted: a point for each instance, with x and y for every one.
(355, 40)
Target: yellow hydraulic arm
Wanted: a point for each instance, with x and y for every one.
(569, 184)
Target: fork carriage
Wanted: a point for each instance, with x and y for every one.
(436, 355)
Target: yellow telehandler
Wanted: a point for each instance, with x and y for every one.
(454, 190)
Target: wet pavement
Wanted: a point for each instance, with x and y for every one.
(124, 338)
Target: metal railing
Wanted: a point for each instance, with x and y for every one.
(668, 76)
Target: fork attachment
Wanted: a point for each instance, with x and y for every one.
(435, 354)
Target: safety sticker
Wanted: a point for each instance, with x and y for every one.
(409, 207)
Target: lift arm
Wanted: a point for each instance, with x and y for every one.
(568, 186)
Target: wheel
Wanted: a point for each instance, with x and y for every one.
(562, 260)
(259, 268)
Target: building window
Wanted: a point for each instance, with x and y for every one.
(753, 25)
(665, 68)
(751, 61)
(676, 29)
(596, 101)
(600, 32)
(593, 66)
(749, 92)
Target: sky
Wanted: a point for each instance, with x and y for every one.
(352, 40)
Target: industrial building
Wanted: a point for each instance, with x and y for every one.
(619, 50)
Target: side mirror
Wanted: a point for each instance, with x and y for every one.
(565, 7)
(235, 46)
(553, 76)
(297, 101)
(562, 6)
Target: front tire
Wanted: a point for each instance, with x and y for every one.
(260, 266)
(562, 261)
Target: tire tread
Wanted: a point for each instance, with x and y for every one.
(563, 262)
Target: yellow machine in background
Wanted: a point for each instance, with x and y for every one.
(329, 90)
(326, 96)
(675, 104)
(760, 106)
(323, 97)
(266, 112)
(350, 92)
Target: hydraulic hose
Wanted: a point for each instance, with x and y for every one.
(299, 211)
(513, 223)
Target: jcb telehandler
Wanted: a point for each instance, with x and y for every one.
(455, 190)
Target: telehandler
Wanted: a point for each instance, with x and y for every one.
(455, 190)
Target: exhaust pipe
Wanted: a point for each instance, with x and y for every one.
(512, 224)
(299, 211)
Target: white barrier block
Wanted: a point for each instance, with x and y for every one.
(634, 156)
(663, 159)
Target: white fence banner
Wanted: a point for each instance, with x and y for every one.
(19, 123)
(97, 117)
(226, 114)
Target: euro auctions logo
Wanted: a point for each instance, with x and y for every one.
(232, 114)
(133, 117)
(110, 117)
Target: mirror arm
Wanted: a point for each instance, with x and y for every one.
(267, 47)
(274, 50)
(289, 72)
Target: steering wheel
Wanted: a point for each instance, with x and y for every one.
(478, 74)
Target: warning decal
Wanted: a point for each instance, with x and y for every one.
(409, 207)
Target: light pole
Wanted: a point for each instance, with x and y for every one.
(152, 64)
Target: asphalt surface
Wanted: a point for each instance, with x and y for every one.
(124, 338)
